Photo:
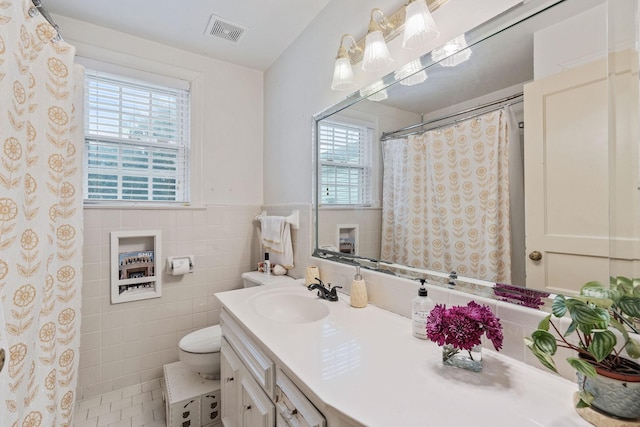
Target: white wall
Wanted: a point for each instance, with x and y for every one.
(570, 43)
(227, 109)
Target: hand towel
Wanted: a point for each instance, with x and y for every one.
(272, 228)
(277, 244)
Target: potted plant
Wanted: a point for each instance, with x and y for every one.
(601, 319)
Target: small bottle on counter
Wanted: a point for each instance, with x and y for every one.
(267, 263)
(358, 296)
(421, 306)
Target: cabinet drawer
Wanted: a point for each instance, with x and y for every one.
(256, 361)
(292, 406)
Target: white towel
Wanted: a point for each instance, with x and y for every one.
(278, 244)
(272, 228)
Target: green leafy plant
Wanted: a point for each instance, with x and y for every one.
(596, 313)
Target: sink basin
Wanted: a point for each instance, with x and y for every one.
(289, 308)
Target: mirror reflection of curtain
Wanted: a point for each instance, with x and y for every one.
(446, 199)
(40, 220)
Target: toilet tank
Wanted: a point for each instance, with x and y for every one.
(256, 278)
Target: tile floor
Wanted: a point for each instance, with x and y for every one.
(140, 405)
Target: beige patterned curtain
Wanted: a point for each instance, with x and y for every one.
(40, 219)
(446, 199)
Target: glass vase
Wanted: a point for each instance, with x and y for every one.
(466, 359)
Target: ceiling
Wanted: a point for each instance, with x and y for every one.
(272, 24)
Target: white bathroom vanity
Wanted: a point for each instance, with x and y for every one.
(288, 356)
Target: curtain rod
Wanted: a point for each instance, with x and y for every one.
(45, 13)
(387, 135)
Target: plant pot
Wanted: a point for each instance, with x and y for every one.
(615, 393)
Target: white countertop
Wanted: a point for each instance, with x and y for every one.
(365, 364)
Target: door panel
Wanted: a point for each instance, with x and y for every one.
(567, 178)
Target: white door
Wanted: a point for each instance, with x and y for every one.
(567, 179)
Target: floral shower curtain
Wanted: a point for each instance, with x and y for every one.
(446, 199)
(40, 219)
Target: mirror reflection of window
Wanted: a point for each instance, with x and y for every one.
(345, 163)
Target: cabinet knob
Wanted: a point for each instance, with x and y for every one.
(247, 408)
(535, 256)
(1, 358)
(228, 379)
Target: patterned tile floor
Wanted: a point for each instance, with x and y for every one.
(140, 405)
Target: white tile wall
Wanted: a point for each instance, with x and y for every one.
(369, 233)
(127, 344)
(301, 238)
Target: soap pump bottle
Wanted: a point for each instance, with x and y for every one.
(358, 291)
(267, 263)
(420, 308)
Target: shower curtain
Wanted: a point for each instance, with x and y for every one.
(40, 219)
(446, 199)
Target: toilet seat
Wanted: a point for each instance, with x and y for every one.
(202, 341)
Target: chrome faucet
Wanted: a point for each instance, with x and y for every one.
(329, 293)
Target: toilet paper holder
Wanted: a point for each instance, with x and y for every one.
(175, 263)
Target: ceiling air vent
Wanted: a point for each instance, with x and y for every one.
(220, 27)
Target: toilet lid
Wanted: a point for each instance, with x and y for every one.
(206, 340)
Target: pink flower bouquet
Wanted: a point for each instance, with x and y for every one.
(461, 328)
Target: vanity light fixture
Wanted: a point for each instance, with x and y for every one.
(409, 75)
(419, 25)
(342, 71)
(376, 53)
(452, 53)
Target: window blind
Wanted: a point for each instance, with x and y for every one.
(345, 164)
(136, 140)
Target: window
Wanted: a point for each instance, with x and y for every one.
(345, 163)
(136, 140)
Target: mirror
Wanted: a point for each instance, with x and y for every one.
(521, 148)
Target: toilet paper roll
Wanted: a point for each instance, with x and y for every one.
(180, 266)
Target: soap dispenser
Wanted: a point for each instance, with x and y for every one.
(420, 308)
(267, 263)
(358, 291)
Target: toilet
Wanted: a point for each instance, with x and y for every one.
(200, 350)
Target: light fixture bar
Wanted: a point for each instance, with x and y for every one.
(395, 29)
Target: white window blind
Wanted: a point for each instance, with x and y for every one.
(136, 140)
(345, 164)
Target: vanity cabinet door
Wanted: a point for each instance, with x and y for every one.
(253, 358)
(293, 409)
(229, 384)
(256, 408)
